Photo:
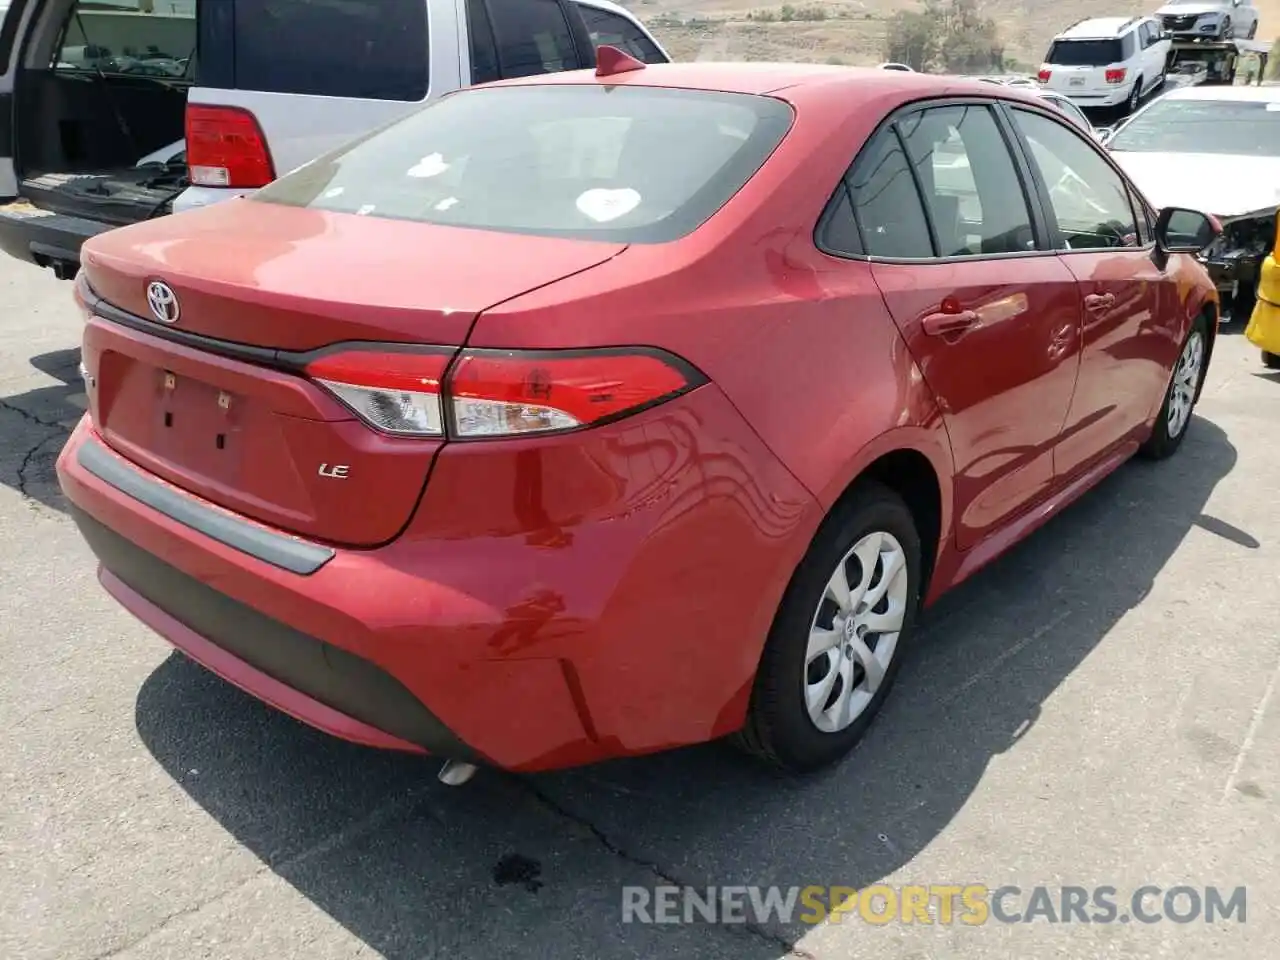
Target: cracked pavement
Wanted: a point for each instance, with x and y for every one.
(1095, 709)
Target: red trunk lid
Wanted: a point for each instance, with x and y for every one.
(260, 441)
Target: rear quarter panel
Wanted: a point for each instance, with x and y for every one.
(800, 342)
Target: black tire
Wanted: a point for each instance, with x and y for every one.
(1271, 360)
(1135, 98)
(1226, 29)
(1161, 444)
(1253, 30)
(779, 730)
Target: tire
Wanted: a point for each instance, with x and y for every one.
(1271, 360)
(781, 728)
(1135, 97)
(1253, 30)
(1180, 396)
(1228, 31)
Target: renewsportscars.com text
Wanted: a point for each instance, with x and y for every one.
(968, 904)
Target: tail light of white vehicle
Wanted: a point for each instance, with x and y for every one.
(499, 393)
(226, 148)
(1044, 75)
(1116, 75)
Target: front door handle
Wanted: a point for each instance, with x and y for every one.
(949, 324)
(1097, 302)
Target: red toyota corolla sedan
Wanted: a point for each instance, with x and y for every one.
(600, 413)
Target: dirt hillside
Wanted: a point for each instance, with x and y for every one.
(852, 31)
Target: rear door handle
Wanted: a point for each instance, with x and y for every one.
(949, 324)
(1097, 302)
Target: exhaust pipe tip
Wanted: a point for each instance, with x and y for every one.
(455, 773)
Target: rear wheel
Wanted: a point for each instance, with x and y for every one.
(1271, 360)
(1136, 96)
(1181, 394)
(837, 641)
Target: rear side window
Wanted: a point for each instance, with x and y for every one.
(626, 164)
(886, 202)
(615, 31)
(532, 37)
(367, 49)
(1085, 53)
(122, 38)
(971, 186)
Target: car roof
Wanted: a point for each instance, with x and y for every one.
(763, 78)
(1098, 28)
(610, 6)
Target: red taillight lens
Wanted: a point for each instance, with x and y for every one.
(1044, 75)
(502, 393)
(498, 393)
(394, 391)
(226, 148)
(1116, 75)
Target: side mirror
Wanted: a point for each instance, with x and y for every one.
(1185, 231)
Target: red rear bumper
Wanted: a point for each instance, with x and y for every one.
(551, 603)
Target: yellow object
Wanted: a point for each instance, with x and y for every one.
(1264, 324)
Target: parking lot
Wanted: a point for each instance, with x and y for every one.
(1097, 709)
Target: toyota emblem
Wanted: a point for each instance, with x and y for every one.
(163, 302)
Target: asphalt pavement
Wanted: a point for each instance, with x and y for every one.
(1099, 708)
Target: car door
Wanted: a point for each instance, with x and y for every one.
(989, 314)
(1153, 53)
(1125, 334)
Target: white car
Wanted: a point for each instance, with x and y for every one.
(1219, 19)
(1107, 62)
(1216, 149)
(124, 111)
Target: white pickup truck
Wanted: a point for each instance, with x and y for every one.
(115, 111)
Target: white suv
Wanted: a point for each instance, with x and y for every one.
(1107, 61)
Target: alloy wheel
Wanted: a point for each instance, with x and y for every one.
(854, 632)
(1186, 378)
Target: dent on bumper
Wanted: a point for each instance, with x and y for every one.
(624, 615)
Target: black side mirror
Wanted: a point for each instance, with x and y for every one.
(1185, 231)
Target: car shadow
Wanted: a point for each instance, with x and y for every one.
(533, 866)
(34, 425)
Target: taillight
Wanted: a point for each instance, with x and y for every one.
(393, 391)
(226, 148)
(499, 393)
(1044, 75)
(1116, 75)
(503, 393)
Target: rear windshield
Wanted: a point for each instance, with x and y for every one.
(1084, 53)
(626, 164)
(1203, 126)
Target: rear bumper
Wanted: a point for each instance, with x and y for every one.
(193, 198)
(44, 238)
(632, 625)
(1093, 98)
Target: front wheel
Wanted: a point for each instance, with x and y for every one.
(1180, 397)
(837, 641)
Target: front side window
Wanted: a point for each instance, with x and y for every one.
(1235, 127)
(367, 49)
(1089, 199)
(970, 182)
(120, 38)
(627, 164)
(886, 203)
(532, 37)
(615, 31)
